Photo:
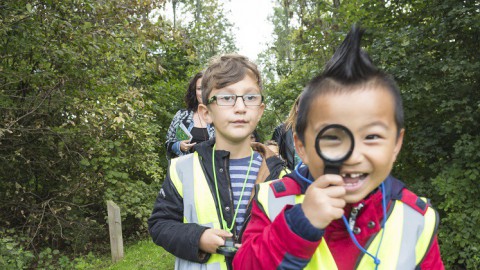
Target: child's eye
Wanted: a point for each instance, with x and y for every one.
(372, 137)
(226, 98)
(250, 97)
(327, 141)
(253, 97)
(329, 138)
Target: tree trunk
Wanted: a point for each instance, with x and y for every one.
(174, 7)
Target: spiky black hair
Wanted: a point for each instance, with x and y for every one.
(350, 63)
(349, 66)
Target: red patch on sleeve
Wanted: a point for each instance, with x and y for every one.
(414, 201)
(284, 187)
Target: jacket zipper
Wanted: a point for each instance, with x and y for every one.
(353, 215)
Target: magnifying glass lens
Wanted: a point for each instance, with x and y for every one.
(334, 144)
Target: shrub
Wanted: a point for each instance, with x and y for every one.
(13, 254)
(459, 185)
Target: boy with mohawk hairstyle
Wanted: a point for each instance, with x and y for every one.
(206, 194)
(300, 221)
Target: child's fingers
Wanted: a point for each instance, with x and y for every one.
(324, 200)
(335, 191)
(321, 210)
(327, 180)
(222, 233)
(338, 203)
(211, 239)
(337, 213)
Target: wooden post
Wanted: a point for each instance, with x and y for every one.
(115, 228)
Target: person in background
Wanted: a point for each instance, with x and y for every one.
(198, 128)
(283, 135)
(361, 217)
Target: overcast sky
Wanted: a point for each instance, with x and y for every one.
(252, 27)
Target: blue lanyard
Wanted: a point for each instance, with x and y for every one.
(375, 258)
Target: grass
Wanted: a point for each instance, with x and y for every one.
(144, 255)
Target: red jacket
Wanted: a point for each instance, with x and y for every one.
(273, 245)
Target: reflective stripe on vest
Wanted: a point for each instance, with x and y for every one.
(407, 237)
(187, 176)
(282, 173)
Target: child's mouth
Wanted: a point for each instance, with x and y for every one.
(240, 122)
(353, 179)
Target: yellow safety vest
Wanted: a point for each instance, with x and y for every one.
(407, 238)
(198, 205)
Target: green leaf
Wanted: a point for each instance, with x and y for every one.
(84, 162)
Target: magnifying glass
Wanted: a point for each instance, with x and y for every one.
(334, 144)
(229, 249)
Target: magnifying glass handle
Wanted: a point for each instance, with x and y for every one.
(329, 169)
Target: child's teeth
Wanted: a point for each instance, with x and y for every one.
(351, 175)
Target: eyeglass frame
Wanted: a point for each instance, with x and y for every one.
(214, 98)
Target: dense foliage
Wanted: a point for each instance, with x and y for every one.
(431, 48)
(87, 91)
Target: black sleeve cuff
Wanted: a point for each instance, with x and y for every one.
(300, 225)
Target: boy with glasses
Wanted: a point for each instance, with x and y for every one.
(205, 198)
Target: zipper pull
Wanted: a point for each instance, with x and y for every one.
(353, 215)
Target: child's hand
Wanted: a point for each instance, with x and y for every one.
(211, 239)
(324, 200)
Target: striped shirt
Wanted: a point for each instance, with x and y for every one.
(238, 171)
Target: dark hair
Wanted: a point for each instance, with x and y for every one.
(191, 95)
(226, 70)
(349, 68)
(256, 136)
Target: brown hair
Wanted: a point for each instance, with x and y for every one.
(292, 115)
(270, 142)
(226, 70)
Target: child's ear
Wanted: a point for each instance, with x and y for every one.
(300, 149)
(205, 113)
(398, 145)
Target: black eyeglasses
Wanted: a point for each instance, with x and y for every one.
(230, 100)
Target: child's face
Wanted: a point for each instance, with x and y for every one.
(369, 114)
(235, 123)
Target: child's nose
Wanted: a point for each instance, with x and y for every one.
(356, 156)
(239, 104)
